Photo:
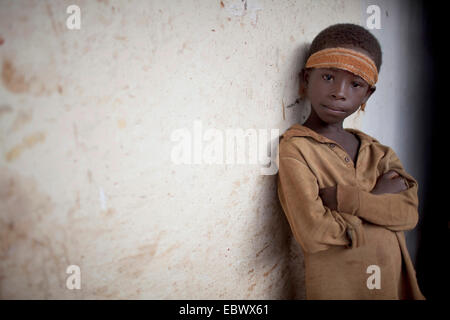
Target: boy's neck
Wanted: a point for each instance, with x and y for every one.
(321, 127)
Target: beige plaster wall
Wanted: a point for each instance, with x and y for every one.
(86, 120)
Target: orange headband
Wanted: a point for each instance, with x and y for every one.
(347, 59)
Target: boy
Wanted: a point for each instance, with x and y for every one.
(346, 196)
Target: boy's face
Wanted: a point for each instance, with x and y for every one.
(335, 93)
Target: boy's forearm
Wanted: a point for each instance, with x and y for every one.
(395, 211)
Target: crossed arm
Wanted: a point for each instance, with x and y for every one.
(321, 218)
(392, 203)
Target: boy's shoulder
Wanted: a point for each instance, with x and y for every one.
(370, 140)
(295, 137)
(364, 136)
(297, 130)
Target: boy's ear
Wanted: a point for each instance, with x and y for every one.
(304, 75)
(304, 78)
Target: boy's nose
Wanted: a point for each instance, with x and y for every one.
(339, 91)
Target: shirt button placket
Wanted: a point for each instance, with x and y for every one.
(347, 160)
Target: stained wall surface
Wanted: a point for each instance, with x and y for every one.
(93, 122)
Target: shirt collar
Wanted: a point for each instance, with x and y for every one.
(298, 130)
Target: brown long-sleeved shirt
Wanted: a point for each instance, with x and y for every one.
(365, 230)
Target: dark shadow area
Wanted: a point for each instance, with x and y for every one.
(431, 264)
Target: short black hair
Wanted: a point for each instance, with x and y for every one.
(345, 35)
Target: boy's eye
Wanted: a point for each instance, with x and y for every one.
(327, 76)
(356, 85)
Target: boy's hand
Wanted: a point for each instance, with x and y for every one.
(329, 198)
(390, 182)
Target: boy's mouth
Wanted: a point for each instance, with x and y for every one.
(334, 109)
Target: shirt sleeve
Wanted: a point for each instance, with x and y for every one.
(314, 226)
(395, 211)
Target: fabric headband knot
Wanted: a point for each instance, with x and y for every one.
(346, 59)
